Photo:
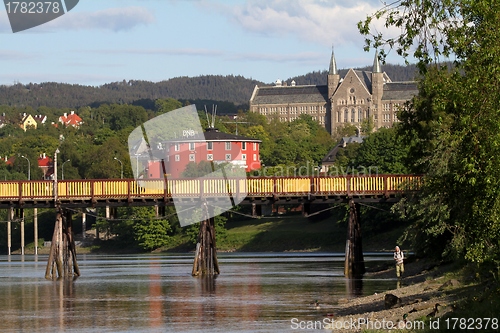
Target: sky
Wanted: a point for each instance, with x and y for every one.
(103, 41)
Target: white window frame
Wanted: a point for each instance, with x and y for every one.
(177, 158)
(192, 158)
(228, 145)
(228, 157)
(210, 157)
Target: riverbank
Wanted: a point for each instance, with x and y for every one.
(429, 298)
(291, 233)
(283, 233)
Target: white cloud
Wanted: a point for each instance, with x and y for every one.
(6, 55)
(320, 21)
(302, 57)
(114, 19)
(160, 51)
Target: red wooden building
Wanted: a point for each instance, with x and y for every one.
(212, 146)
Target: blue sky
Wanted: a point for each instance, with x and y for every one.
(102, 41)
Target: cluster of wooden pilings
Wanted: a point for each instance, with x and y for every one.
(62, 261)
(205, 260)
(354, 263)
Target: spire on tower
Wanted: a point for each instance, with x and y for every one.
(376, 64)
(333, 65)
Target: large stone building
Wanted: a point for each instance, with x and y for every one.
(357, 96)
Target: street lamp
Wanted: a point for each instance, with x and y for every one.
(55, 174)
(29, 166)
(121, 165)
(137, 165)
(62, 168)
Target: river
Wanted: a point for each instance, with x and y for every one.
(255, 292)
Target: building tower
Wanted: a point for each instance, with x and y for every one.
(377, 92)
(333, 81)
(333, 76)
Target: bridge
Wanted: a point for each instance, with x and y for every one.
(260, 190)
(70, 194)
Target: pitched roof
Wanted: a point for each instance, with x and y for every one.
(215, 135)
(330, 156)
(365, 78)
(44, 161)
(40, 118)
(71, 119)
(290, 94)
(402, 91)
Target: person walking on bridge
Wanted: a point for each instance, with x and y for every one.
(399, 258)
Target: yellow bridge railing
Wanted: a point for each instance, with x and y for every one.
(100, 189)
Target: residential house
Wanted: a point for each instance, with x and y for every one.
(40, 119)
(71, 119)
(329, 160)
(46, 164)
(27, 121)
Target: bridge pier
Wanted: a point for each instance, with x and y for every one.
(62, 258)
(205, 260)
(354, 265)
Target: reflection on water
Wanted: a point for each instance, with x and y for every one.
(156, 293)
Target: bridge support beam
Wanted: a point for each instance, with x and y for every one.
(354, 263)
(62, 258)
(205, 260)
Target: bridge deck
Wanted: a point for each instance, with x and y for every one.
(259, 190)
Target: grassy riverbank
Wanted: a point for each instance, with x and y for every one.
(290, 233)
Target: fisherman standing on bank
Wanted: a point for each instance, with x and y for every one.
(399, 257)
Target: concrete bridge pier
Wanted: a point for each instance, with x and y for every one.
(62, 257)
(354, 263)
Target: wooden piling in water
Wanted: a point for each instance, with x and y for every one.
(62, 261)
(354, 263)
(205, 260)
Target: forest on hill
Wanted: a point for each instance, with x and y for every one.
(230, 93)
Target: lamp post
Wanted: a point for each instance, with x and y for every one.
(121, 165)
(62, 168)
(55, 174)
(29, 166)
(137, 166)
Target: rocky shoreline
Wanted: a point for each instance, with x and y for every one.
(423, 296)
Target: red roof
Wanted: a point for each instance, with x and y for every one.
(71, 119)
(44, 161)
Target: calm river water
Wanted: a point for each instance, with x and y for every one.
(255, 292)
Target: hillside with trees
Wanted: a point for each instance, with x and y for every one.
(236, 90)
(231, 93)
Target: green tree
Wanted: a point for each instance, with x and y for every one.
(150, 232)
(194, 170)
(166, 105)
(383, 150)
(345, 160)
(453, 124)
